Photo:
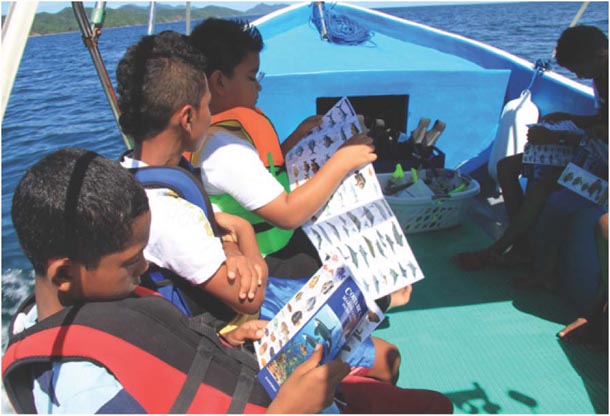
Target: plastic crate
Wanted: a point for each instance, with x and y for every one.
(417, 215)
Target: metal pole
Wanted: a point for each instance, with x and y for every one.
(90, 39)
(582, 9)
(15, 31)
(188, 17)
(151, 18)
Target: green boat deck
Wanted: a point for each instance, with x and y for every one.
(488, 346)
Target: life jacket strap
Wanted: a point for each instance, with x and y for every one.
(199, 367)
(245, 383)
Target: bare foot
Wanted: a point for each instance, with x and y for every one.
(400, 297)
(571, 327)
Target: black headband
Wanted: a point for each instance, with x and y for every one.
(72, 197)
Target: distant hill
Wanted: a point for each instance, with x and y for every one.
(132, 15)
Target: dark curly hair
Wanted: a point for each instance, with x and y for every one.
(580, 43)
(75, 203)
(156, 77)
(225, 43)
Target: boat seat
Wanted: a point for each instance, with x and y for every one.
(579, 265)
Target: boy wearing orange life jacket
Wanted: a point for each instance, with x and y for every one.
(243, 172)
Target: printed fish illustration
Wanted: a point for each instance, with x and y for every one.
(343, 135)
(403, 272)
(379, 248)
(394, 275)
(358, 334)
(397, 236)
(577, 180)
(312, 145)
(299, 150)
(369, 215)
(326, 287)
(296, 317)
(390, 242)
(354, 129)
(370, 246)
(295, 171)
(318, 237)
(380, 237)
(312, 342)
(355, 220)
(354, 255)
(311, 302)
(413, 268)
(314, 166)
(363, 254)
(313, 281)
(346, 348)
(568, 177)
(284, 328)
(324, 234)
(306, 168)
(335, 231)
(263, 348)
(303, 349)
(328, 141)
(323, 331)
(345, 224)
(298, 296)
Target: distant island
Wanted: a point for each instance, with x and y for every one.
(134, 15)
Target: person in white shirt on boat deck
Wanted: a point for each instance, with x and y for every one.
(231, 166)
(584, 51)
(163, 126)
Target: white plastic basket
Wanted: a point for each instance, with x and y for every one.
(417, 215)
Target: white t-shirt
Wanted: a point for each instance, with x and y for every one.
(181, 237)
(230, 165)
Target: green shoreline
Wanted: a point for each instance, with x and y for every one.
(129, 15)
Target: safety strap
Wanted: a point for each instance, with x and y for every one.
(245, 382)
(197, 371)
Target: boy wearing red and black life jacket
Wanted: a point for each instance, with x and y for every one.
(85, 343)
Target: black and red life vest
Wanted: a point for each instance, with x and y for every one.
(168, 362)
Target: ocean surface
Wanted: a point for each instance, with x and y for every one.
(57, 99)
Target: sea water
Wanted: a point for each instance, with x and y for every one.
(57, 99)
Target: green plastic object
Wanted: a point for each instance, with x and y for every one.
(398, 172)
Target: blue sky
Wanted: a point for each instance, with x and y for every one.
(55, 6)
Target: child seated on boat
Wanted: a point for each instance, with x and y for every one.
(92, 341)
(235, 176)
(163, 97)
(584, 51)
(235, 159)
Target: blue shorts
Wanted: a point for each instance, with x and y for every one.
(281, 290)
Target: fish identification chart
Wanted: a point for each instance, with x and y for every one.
(357, 222)
(331, 310)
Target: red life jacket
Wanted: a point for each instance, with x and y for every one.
(166, 361)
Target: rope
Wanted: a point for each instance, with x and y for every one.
(338, 28)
